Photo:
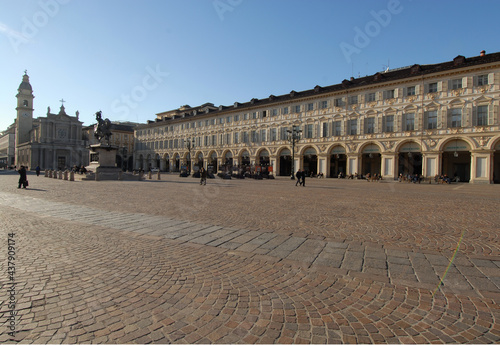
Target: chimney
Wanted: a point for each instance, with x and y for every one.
(352, 78)
(483, 52)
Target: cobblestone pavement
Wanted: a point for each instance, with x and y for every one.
(245, 261)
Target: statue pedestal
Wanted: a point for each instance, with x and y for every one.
(103, 162)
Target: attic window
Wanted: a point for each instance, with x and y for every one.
(272, 97)
(220, 107)
(292, 93)
(317, 88)
(415, 69)
(236, 104)
(253, 100)
(459, 60)
(377, 76)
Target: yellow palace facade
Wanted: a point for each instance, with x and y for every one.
(423, 119)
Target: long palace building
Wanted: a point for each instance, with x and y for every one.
(423, 119)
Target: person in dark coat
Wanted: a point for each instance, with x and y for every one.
(37, 169)
(303, 179)
(22, 177)
(298, 175)
(203, 174)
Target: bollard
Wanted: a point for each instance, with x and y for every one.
(150, 175)
(60, 174)
(55, 174)
(46, 173)
(50, 173)
(66, 173)
(72, 175)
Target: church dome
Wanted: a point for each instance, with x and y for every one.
(25, 85)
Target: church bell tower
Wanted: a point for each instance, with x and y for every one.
(24, 120)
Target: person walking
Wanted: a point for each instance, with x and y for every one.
(37, 169)
(203, 174)
(298, 175)
(22, 177)
(303, 178)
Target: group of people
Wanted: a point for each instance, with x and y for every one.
(415, 178)
(82, 170)
(301, 177)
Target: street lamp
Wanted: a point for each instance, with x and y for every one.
(189, 145)
(293, 136)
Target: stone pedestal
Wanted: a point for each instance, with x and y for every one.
(103, 162)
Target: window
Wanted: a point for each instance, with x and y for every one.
(297, 109)
(283, 133)
(353, 127)
(308, 131)
(214, 139)
(325, 130)
(228, 139)
(254, 115)
(236, 118)
(272, 134)
(353, 99)
(221, 120)
(285, 110)
(245, 137)
(432, 87)
(481, 116)
(324, 104)
(455, 118)
(200, 123)
(245, 117)
(228, 119)
(482, 80)
(275, 112)
(388, 123)
(410, 91)
(369, 125)
(431, 119)
(409, 124)
(370, 97)
(455, 84)
(310, 106)
(264, 113)
(388, 94)
(263, 135)
(339, 102)
(254, 136)
(236, 137)
(205, 140)
(337, 128)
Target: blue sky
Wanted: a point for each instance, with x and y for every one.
(133, 59)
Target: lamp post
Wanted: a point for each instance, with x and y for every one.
(189, 145)
(293, 136)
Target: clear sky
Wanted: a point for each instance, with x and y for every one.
(133, 59)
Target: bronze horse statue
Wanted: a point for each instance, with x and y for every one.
(103, 128)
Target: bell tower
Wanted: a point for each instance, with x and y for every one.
(24, 119)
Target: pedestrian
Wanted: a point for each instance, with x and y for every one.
(298, 175)
(37, 169)
(303, 178)
(22, 177)
(203, 174)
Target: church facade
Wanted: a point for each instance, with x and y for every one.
(439, 119)
(51, 142)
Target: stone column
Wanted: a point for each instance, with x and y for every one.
(431, 164)
(389, 168)
(481, 169)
